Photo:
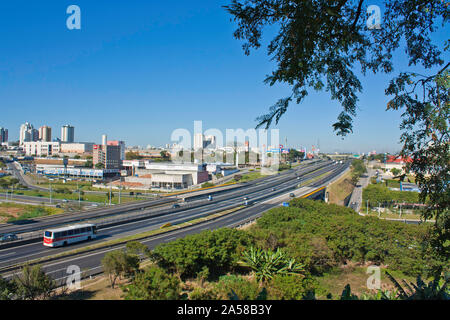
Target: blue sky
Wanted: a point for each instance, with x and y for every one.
(137, 70)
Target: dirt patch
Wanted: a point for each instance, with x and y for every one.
(11, 211)
(340, 190)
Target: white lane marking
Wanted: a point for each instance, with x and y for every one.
(8, 254)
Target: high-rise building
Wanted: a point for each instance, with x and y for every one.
(108, 155)
(121, 145)
(104, 139)
(28, 133)
(67, 133)
(198, 141)
(3, 135)
(45, 134)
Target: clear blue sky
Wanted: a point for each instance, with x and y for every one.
(137, 70)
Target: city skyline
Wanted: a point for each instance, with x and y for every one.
(159, 69)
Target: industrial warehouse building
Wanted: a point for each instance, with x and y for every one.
(165, 175)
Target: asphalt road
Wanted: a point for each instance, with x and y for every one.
(91, 261)
(25, 252)
(256, 185)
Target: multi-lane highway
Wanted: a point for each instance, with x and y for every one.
(260, 184)
(258, 192)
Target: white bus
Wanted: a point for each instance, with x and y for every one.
(71, 234)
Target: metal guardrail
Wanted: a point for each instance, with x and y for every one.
(37, 236)
(90, 273)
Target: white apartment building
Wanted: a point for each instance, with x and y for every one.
(41, 148)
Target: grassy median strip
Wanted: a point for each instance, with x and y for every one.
(124, 240)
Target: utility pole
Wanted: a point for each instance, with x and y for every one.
(50, 194)
(109, 194)
(367, 207)
(120, 187)
(79, 196)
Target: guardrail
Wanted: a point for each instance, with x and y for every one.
(98, 270)
(32, 237)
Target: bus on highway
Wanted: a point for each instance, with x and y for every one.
(71, 234)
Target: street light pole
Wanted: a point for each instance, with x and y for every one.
(120, 187)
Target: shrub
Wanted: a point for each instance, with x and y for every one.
(236, 287)
(217, 250)
(320, 235)
(153, 284)
(290, 287)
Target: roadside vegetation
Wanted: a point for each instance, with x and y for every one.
(10, 212)
(379, 200)
(310, 250)
(358, 169)
(340, 190)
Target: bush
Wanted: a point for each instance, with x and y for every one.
(380, 194)
(204, 294)
(217, 250)
(236, 287)
(153, 284)
(322, 235)
(207, 185)
(290, 287)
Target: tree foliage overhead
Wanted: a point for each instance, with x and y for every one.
(319, 44)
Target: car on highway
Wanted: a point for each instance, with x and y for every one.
(273, 189)
(8, 237)
(176, 205)
(245, 198)
(65, 200)
(210, 198)
(291, 195)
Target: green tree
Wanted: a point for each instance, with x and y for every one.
(133, 156)
(88, 164)
(153, 284)
(218, 250)
(7, 289)
(165, 155)
(396, 171)
(118, 263)
(137, 248)
(33, 284)
(99, 165)
(320, 43)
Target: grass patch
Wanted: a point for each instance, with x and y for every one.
(10, 212)
(250, 176)
(335, 281)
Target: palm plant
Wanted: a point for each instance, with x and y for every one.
(267, 264)
(434, 290)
